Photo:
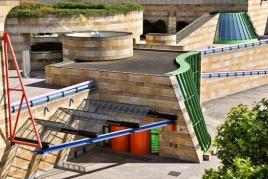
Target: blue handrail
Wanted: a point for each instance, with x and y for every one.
(233, 47)
(234, 73)
(55, 95)
(104, 137)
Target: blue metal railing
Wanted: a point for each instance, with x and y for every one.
(234, 73)
(55, 95)
(233, 47)
(104, 137)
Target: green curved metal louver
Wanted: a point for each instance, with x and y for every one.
(234, 28)
(188, 78)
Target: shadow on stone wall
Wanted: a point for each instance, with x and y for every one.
(22, 162)
(266, 28)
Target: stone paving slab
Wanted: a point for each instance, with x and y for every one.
(34, 86)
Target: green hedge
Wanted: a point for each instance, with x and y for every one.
(29, 9)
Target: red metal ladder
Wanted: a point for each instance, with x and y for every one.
(12, 130)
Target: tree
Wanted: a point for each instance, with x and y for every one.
(242, 143)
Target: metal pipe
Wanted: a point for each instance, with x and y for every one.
(104, 137)
(55, 95)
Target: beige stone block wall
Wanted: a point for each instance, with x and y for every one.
(115, 47)
(132, 22)
(157, 92)
(257, 11)
(243, 59)
(20, 43)
(160, 39)
(188, 11)
(40, 59)
(251, 58)
(219, 87)
(159, 47)
(201, 36)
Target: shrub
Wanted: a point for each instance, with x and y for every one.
(31, 9)
(242, 143)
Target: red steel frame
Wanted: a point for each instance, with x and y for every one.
(12, 131)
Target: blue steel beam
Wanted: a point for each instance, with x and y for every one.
(104, 137)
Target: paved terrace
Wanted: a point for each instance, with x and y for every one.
(144, 61)
(102, 163)
(34, 86)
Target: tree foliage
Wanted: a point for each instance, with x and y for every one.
(242, 143)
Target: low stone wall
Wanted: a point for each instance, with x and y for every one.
(40, 59)
(160, 39)
(149, 90)
(199, 34)
(158, 47)
(132, 22)
(219, 87)
(251, 58)
(112, 46)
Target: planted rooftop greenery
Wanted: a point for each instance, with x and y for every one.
(31, 9)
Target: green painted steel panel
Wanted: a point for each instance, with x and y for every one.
(155, 141)
(188, 78)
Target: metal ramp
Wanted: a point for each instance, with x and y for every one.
(96, 114)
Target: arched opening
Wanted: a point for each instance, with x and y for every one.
(154, 27)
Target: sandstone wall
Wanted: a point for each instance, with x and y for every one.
(154, 91)
(236, 60)
(257, 11)
(219, 87)
(40, 59)
(200, 34)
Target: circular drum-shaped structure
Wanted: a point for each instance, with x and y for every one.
(97, 46)
(160, 39)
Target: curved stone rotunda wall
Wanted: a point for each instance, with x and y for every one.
(97, 46)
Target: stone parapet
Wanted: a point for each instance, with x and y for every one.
(160, 39)
(108, 46)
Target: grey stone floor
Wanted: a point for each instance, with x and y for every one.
(34, 86)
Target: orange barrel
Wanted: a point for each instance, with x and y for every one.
(120, 144)
(140, 143)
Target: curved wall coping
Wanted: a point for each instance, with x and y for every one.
(86, 36)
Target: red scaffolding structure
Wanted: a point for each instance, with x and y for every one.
(7, 46)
